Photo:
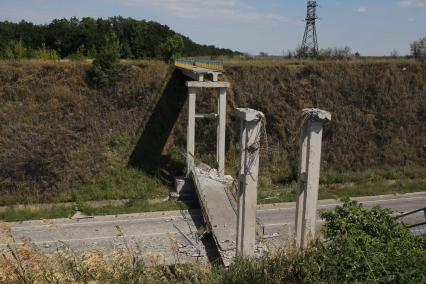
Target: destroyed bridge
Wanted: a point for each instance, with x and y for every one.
(228, 205)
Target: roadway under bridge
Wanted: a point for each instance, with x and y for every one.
(151, 236)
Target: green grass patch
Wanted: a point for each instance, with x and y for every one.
(14, 214)
(117, 183)
(371, 189)
(120, 183)
(17, 214)
(141, 189)
(276, 194)
(267, 195)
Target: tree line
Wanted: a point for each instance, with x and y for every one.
(86, 38)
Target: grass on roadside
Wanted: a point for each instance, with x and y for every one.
(141, 190)
(120, 183)
(18, 214)
(268, 195)
(14, 214)
(335, 184)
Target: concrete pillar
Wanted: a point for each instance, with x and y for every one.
(309, 174)
(190, 146)
(251, 127)
(220, 147)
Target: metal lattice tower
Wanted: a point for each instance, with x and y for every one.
(310, 42)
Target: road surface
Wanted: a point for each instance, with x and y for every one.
(153, 235)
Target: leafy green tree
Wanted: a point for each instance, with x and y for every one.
(15, 50)
(418, 49)
(104, 71)
(138, 38)
(172, 48)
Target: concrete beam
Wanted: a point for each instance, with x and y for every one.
(194, 75)
(196, 84)
(309, 174)
(199, 73)
(251, 126)
(207, 115)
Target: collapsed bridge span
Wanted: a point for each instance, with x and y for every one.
(217, 193)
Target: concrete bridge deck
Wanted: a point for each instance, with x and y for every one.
(218, 209)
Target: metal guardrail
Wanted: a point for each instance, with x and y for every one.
(186, 63)
(416, 229)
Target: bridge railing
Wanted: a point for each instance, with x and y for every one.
(189, 63)
(184, 63)
(210, 64)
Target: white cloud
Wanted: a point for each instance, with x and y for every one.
(361, 10)
(214, 10)
(412, 3)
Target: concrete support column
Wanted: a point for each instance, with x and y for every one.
(309, 174)
(221, 129)
(190, 146)
(251, 127)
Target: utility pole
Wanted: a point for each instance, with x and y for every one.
(309, 46)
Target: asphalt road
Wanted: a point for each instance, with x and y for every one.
(152, 235)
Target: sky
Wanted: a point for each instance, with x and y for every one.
(371, 27)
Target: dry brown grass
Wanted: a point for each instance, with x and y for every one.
(57, 132)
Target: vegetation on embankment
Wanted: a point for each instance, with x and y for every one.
(64, 139)
(360, 246)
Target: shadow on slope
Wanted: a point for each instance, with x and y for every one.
(148, 152)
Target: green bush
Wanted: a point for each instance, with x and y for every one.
(368, 246)
(44, 53)
(77, 57)
(14, 50)
(361, 246)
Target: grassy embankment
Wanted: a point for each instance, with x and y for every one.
(63, 140)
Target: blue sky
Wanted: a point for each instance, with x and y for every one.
(373, 27)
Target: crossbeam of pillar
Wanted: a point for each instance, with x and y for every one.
(199, 73)
(309, 174)
(193, 86)
(207, 115)
(208, 84)
(251, 126)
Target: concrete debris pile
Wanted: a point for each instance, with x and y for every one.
(207, 171)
